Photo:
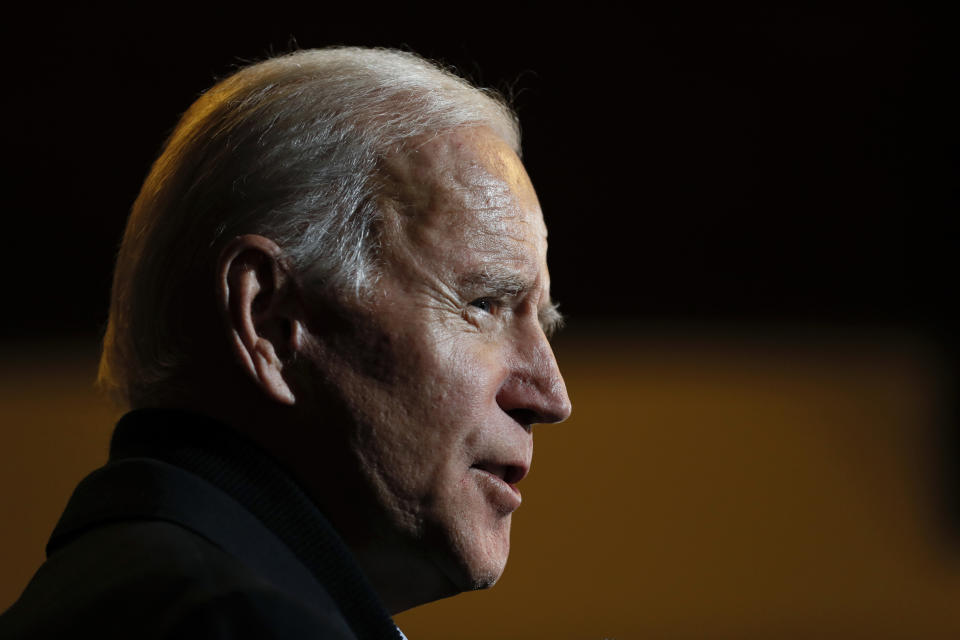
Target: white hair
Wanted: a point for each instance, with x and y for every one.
(289, 148)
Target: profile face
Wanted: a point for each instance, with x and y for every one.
(444, 370)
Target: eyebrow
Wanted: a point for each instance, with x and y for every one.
(551, 320)
(497, 282)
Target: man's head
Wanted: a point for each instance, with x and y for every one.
(340, 253)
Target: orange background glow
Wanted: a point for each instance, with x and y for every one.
(707, 486)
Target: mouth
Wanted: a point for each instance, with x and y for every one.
(499, 483)
(510, 474)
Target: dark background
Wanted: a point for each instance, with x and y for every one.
(743, 169)
(750, 213)
(762, 167)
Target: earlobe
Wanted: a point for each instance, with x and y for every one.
(269, 370)
(252, 287)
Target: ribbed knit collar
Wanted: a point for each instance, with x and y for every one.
(222, 457)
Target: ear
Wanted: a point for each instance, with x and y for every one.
(253, 291)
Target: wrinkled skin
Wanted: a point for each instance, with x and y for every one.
(442, 371)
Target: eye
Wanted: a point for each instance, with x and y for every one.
(484, 304)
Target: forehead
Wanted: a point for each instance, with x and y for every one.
(467, 194)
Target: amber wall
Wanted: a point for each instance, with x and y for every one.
(741, 485)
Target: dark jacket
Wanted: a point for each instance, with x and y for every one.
(190, 531)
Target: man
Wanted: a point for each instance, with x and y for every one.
(330, 316)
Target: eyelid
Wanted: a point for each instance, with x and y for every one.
(491, 302)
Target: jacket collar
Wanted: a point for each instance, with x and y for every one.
(187, 468)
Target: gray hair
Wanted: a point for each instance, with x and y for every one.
(289, 148)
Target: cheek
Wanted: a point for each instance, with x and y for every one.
(434, 406)
(470, 371)
(463, 399)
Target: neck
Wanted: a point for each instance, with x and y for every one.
(315, 454)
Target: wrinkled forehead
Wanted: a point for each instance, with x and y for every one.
(469, 185)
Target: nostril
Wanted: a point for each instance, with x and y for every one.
(524, 417)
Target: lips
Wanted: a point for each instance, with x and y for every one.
(509, 473)
(498, 482)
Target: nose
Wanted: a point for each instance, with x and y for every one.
(534, 391)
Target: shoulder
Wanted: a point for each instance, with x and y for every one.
(157, 579)
(251, 612)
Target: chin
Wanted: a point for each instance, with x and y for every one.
(480, 558)
(477, 578)
(484, 582)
